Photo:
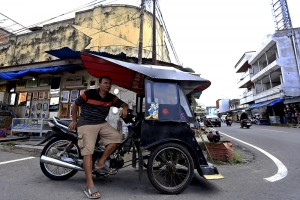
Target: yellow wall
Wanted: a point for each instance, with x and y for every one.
(113, 29)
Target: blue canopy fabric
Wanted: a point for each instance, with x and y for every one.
(265, 103)
(19, 74)
(275, 102)
(260, 104)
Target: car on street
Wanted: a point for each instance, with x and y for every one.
(212, 121)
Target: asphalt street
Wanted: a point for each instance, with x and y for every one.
(23, 179)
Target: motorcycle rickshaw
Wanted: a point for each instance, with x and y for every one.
(165, 129)
(161, 127)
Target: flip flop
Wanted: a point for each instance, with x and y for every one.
(90, 191)
(103, 170)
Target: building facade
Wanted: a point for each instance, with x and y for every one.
(271, 77)
(41, 72)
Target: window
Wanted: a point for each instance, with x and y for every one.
(184, 104)
(148, 92)
(165, 93)
(12, 99)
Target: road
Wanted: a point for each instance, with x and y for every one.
(22, 179)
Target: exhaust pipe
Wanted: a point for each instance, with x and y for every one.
(52, 161)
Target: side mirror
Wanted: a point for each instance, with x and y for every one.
(115, 110)
(116, 91)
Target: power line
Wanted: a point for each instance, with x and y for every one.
(168, 35)
(92, 3)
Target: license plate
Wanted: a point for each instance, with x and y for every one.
(248, 124)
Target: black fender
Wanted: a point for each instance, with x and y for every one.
(61, 135)
(196, 154)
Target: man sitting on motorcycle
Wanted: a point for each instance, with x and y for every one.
(95, 105)
(228, 119)
(243, 117)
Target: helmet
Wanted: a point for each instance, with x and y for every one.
(213, 137)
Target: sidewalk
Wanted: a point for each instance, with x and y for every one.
(24, 143)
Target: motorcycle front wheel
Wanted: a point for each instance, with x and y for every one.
(54, 149)
(176, 169)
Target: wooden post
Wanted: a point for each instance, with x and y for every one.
(154, 35)
(140, 55)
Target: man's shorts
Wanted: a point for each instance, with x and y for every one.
(87, 136)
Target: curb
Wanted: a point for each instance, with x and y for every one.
(8, 139)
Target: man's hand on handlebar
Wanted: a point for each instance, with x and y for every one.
(123, 113)
(73, 125)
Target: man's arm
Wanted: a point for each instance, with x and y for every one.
(73, 124)
(124, 111)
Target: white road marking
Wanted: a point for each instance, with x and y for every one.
(272, 130)
(11, 161)
(282, 170)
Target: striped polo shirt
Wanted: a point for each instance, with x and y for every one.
(94, 108)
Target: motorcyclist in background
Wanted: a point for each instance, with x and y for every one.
(243, 117)
(228, 119)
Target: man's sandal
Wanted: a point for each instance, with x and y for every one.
(103, 170)
(92, 193)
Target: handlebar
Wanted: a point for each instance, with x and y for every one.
(130, 118)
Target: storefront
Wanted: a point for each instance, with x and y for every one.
(268, 112)
(33, 94)
(292, 109)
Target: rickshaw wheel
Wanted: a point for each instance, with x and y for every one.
(176, 171)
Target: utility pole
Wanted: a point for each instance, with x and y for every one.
(140, 55)
(154, 35)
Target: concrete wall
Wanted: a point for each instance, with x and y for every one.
(287, 61)
(224, 105)
(113, 29)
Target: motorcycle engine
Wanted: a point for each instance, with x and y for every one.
(116, 163)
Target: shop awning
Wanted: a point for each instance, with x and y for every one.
(265, 103)
(260, 104)
(275, 102)
(21, 73)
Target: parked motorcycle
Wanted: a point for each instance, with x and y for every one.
(61, 159)
(245, 123)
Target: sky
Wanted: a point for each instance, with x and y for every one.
(209, 36)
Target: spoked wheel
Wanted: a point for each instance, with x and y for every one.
(176, 168)
(146, 155)
(54, 149)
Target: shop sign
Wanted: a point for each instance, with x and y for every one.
(74, 80)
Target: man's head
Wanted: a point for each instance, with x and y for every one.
(105, 83)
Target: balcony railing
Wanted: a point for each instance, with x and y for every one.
(244, 80)
(247, 97)
(272, 92)
(265, 71)
(246, 100)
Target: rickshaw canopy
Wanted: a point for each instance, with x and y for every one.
(131, 76)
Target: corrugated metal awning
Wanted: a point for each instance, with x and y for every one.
(131, 75)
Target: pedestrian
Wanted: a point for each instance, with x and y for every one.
(95, 105)
(297, 114)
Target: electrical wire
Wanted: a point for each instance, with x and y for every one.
(92, 3)
(167, 34)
